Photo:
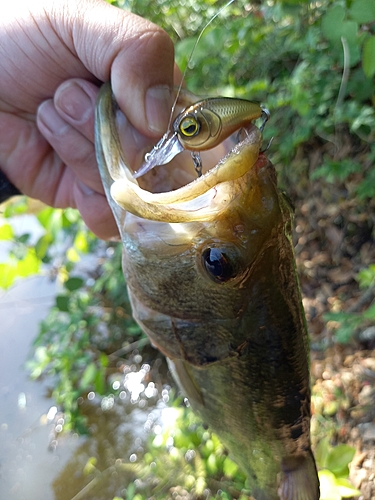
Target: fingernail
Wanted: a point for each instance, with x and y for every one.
(72, 100)
(51, 119)
(158, 108)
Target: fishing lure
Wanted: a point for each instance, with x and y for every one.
(202, 126)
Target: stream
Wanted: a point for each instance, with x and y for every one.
(27, 463)
(37, 460)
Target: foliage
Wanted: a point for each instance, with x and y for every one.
(187, 460)
(22, 258)
(334, 473)
(63, 240)
(348, 324)
(343, 170)
(78, 340)
(184, 459)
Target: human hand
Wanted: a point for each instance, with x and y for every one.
(47, 126)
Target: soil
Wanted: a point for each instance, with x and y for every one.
(334, 237)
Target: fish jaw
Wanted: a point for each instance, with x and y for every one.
(239, 348)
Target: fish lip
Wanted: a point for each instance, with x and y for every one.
(202, 199)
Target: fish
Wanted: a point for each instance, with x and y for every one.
(212, 280)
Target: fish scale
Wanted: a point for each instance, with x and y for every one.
(234, 333)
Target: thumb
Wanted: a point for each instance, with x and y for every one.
(134, 53)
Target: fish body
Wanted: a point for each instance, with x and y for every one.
(212, 281)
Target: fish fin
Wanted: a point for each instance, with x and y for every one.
(186, 382)
(300, 478)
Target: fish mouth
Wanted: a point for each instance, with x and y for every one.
(202, 199)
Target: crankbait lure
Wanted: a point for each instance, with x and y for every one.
(202, 126)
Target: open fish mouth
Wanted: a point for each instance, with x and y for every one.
(202, 199)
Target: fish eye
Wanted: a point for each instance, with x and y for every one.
(189, 126)
(218, 265)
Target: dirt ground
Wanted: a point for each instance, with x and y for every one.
(334, 236)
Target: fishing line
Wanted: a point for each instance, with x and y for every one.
(345, 74)
(191, 55)
(340, 98)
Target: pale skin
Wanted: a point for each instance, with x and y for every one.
(54, 57)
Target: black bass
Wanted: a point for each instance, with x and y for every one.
(211, 274)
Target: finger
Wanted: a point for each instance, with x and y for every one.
(136, 54)
(79, 183)
(68, 105)
(73, 148)
(75, 101)
(95, 211)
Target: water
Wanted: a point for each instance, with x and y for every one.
(36, 461)
(27, 465)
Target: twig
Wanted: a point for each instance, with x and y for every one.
(365, 297)
(134, 345)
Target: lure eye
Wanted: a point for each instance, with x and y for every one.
(189, 126)
(218, 265)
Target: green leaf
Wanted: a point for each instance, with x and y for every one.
(62, 302)
(368, 56)
(338, 316)
(328, 488)
(211, 463)
(229, 467)
(29, 265)
(42, 246)
(103, 358)
(370, 313)
(73, 284)
(6, 232)
(45, 216)
(322, 451)
(332, 23)
(24, 238)
(363, 11)
(7, 275)
(346, 489)
(90, 466)
(339, 458)
(70, 216)
(130, 491)
(99, 382)
(17, 206)
(72, 255)
(80, 242)
(88, 376)
(349, 31)
(366, 276)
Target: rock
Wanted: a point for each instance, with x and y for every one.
(367, 431)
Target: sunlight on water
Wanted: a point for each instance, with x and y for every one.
(22, 401)
(133, 383)
(51, 414)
